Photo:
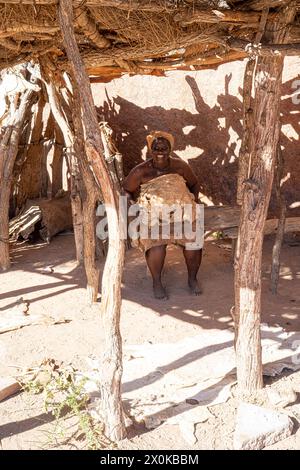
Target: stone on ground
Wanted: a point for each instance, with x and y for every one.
(259, 427)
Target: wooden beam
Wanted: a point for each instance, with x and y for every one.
(261, 4)
(26, 28)
(90, 29)
(292, 224)
(264, 50)
(129, 5)
(244, 155)
(234, 17)
(218, 218)
(9, 142)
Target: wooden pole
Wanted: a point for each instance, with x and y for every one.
(244, 163)
(264, 131)
(68, 135)
(57, 162)
(91, 194)
(8, 152)
(30, 174)
(112, 410)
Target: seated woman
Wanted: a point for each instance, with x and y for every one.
(160, 145)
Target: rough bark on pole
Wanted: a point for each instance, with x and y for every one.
(76, 201)
(30, 174)
(243, 169)
(57, 162)
(8, 152)
(256, 195)
(112, 410)
(275, 269)
(91, 195)
(89, 231)
(68, 135)
(16, 196)
(244, 157)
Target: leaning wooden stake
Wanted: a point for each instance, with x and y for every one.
(91, 194)
(112, 410)
(256, 195)
(9, 141)
(281, 223)
(68, 135)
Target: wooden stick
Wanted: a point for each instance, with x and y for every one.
(90, 29)
(256, 195)
(275, 268)
(8, 153)
(264, 50)
(62, 121)
(110, 382)
(235, 17)
(141, 5)
(57, 162)
(261, 4)
(89, 199)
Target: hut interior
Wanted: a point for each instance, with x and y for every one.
(52, 50)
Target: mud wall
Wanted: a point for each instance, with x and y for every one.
(203, 111)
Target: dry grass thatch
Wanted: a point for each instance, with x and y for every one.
(145, 36)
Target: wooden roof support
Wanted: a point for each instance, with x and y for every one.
(264, 130)
(261, 4)
(90, 30)
(9, 146)
(129, 5)
(235, 17)
(264, 50)
(28, 29)
(111, 373)
(275, 267)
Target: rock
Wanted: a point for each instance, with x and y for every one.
(128, 421)
(191, 401)
(259, 427)
(152, 422)
(47, 269)
(187, 430)
(8, 386)
(281, 398)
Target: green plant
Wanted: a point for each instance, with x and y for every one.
(218, 235)
(65, 396)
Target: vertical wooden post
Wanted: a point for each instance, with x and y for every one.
(275, 268)
(57, 162)
(91, 194)
(112, 410)
(68, 135)
(9, 141)
(264, 131)
(30, 173)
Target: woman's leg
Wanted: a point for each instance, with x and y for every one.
(155, 258)
(193, 261)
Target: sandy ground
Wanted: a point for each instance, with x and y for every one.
(61, 291)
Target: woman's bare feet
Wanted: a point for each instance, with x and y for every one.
(159, 291)
(194, 286)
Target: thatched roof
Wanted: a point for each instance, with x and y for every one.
(146, 36)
